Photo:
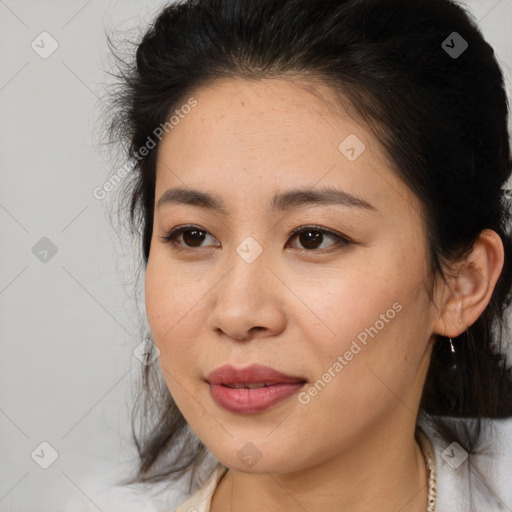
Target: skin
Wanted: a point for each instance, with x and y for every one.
(296, 308)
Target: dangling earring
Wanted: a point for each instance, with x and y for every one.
(451, 342)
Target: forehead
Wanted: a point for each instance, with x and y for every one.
(271, 134)
(268, 108)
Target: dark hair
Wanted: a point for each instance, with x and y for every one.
(442, 119)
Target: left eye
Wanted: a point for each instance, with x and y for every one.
(311, 237)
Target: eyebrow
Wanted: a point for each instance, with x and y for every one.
(282, 201)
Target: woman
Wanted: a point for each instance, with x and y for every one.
(320, 190)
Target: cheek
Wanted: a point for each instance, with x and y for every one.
(167, 305)
(159, 300)
(343, 302)
(372, 313)
(174, 298)
(170, 295)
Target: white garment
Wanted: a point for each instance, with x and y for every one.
(200, 501)
(454, 493)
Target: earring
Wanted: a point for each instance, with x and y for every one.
(451, 342)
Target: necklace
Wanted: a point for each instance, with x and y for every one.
(430, 461)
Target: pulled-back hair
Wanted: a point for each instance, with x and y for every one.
(441, 118)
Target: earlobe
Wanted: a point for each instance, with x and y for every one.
(472, 285)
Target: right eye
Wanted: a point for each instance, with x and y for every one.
(193, 236)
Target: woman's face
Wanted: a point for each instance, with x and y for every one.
(348, 318)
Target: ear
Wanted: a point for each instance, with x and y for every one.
(470, 288)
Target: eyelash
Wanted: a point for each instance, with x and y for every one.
(341, 240)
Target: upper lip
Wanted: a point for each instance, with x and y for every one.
(255, 373)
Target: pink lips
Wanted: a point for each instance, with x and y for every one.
(247, 400)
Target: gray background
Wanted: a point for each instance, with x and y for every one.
(68, 320)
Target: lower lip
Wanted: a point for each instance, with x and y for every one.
(247, 401)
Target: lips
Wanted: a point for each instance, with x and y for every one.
(251, 389)
(255, 374)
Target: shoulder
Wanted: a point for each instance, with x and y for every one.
(460, 478)
(200, 501)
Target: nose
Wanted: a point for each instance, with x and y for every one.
(249, 300)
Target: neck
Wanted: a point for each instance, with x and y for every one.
(380, 469)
